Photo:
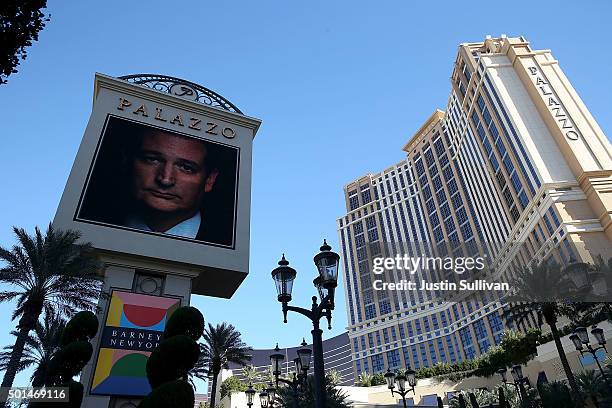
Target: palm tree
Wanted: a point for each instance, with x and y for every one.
(39, 348)
(592, 385)
(541, 291)
(250, 374)
(335, 398)
(364, 379)
(53, 274)
(222, 345)
(334, 377)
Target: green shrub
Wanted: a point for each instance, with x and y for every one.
(555, 394)
(82, 327)
(175, 394)
(232, 384)
(169, 364)
(172, 359)
(74, 356)
(186, 320)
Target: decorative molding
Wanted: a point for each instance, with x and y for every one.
(181, 88)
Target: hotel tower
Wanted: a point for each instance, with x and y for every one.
(516, 164)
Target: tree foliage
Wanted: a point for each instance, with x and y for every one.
(50, 274)
(335, 398)
(40, 347)
(170, 362)
(232, 384)
(20, 23)
(70, 359)
(222, 345)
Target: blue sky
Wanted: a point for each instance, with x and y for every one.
(340, 87)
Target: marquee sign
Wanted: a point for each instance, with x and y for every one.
(553, 103)
(162, 181)
(133, 328)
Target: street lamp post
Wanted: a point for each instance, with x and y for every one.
(399, 382)
(327, 264)
(302, 364)
(271, 395)
(250, 393)
(263, 398)
(519, 380)
(580, 338)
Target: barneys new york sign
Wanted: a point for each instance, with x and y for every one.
(553, 103)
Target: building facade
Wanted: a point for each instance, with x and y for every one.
(516, 164)
(336, 356)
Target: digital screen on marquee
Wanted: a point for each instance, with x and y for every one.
(155, 181)
(133, 328)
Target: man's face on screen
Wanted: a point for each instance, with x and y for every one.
(169, 173)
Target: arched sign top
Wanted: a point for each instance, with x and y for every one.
(181, 88)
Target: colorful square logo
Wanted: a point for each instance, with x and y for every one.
(134, 327)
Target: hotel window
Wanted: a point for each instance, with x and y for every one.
(439, 146)
(448, 173)
(553, 214)
(429, 158)
(438, 236)
(466, 231)
(461, 215)
(385, 307)
(456, 200)
(426, 324)
(449, 224)
(445, 210)
(393, 359)
(370, 311)
(523, 199)
(508, 164)
(419, 166)
(406, 354)
(468, 345)
(514, 213)
(481, 102)
(497, 327)
(432, 353)
(441, 350)
(507, 197)
(361, 254)
(434, 220)
(378, 363)
(437, 183)
(366, 197)
(441, 196)
(451, 350)
(487, 147)
(424, 355)
(359, 240)
(415, 357)
(443, 159)
(452, 186)
(430, 205)
(486, 116)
